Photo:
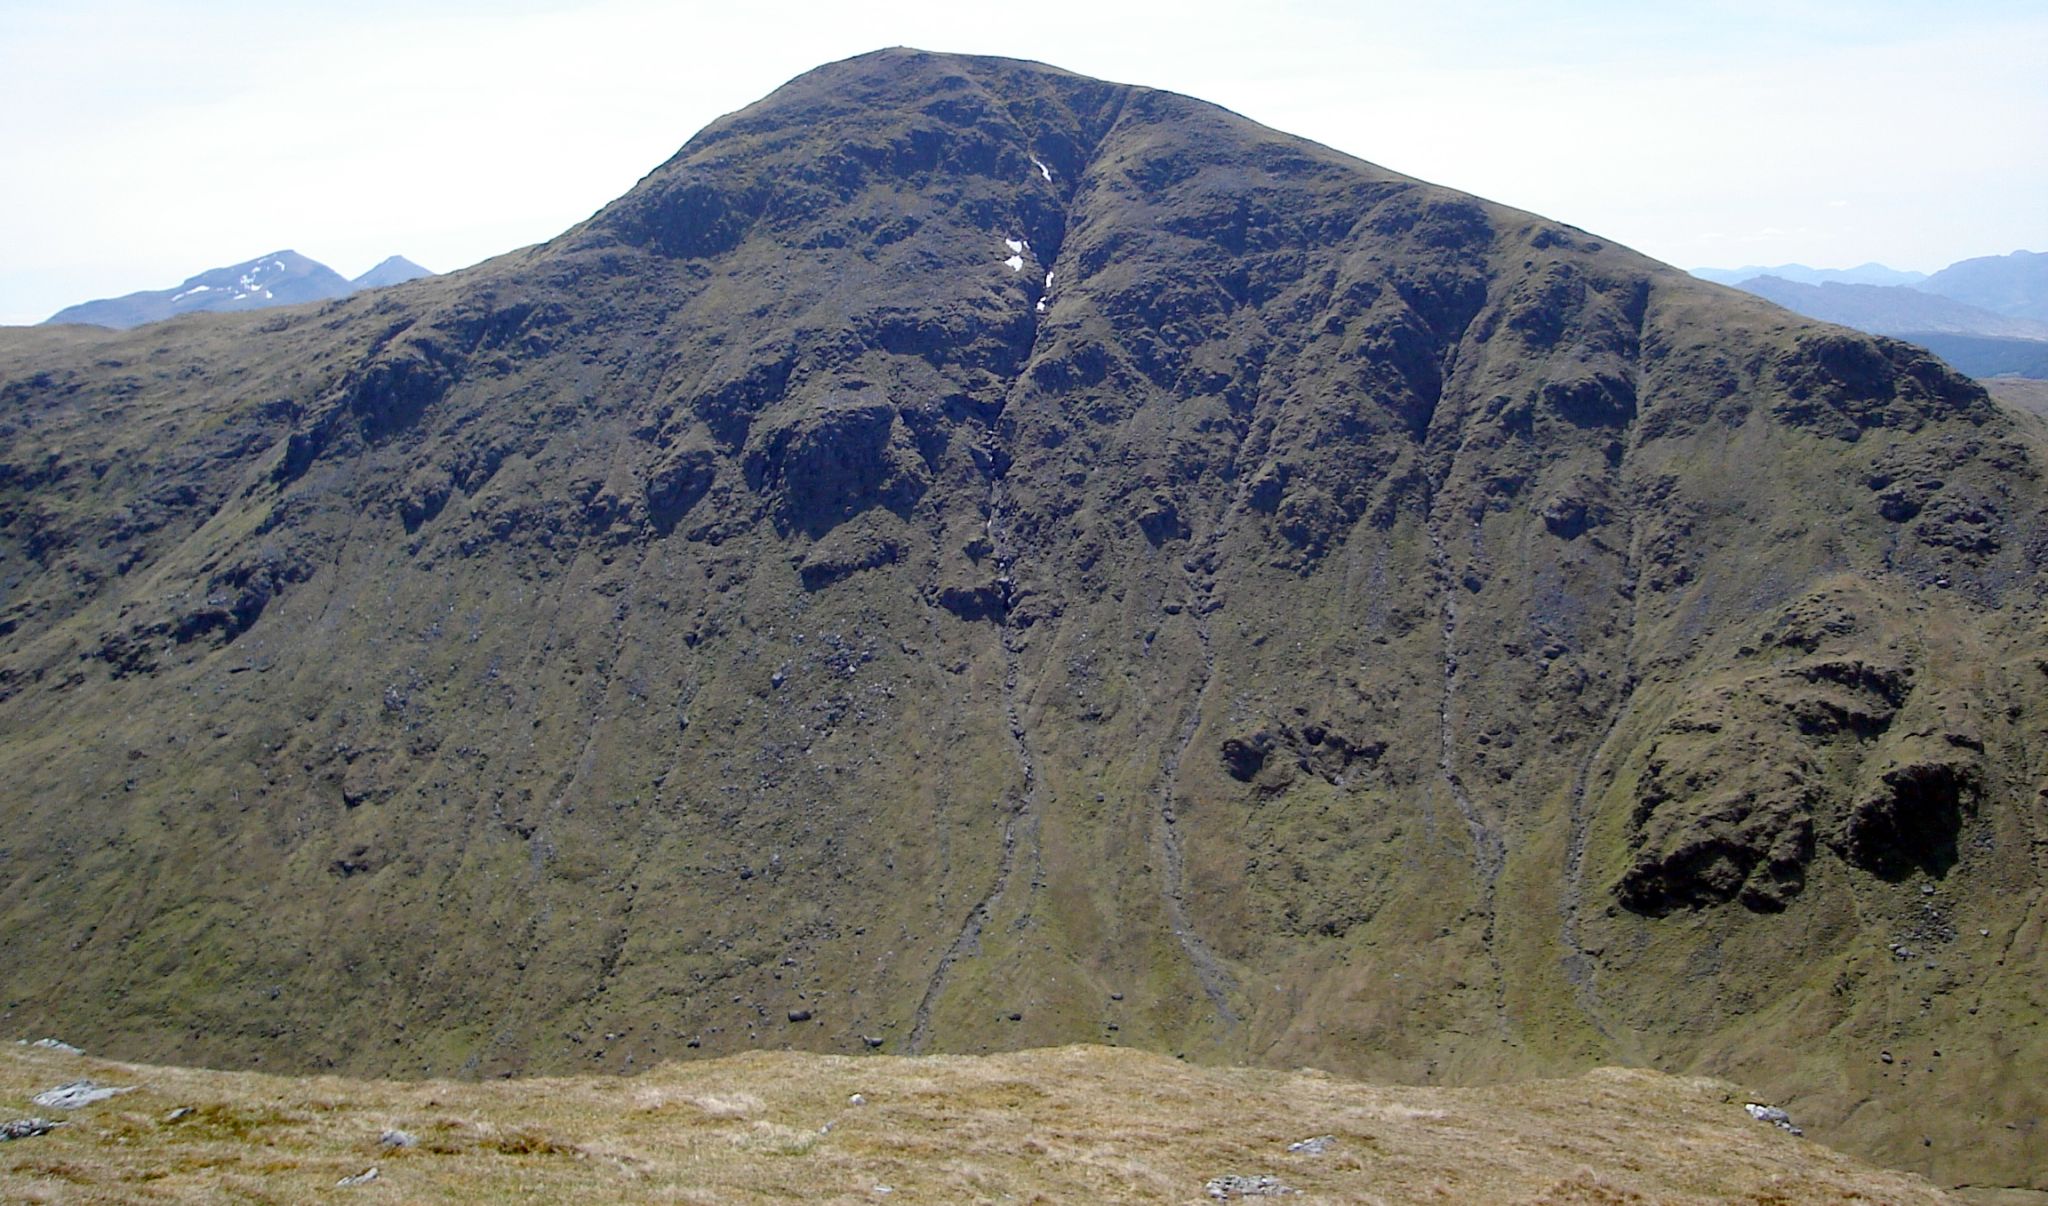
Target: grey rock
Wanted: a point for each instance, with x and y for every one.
(75, 1095)
(25, 1128)
(1773, 1115)
(50, 1044)
(362, 1178)
(398, 1138)
(1313, 1147)
(1263, 1185)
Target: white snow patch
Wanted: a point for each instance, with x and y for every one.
(1042, 169)
(1016, 246)
(1041, 305)
(278, 264)
(191, 291)
(1016, 263)
(1048, 280)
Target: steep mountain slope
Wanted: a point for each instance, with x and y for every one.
(282, 278)
(967, 556)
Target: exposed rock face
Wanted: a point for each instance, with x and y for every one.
(960, 538)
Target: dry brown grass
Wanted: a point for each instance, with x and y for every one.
(1063, 1124)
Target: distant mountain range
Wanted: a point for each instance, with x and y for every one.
(1987, 316)
(1865, 274)
(282, 278)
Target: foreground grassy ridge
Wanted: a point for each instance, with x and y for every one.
(1060, 1124)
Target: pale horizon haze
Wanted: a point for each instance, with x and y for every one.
(145, 142)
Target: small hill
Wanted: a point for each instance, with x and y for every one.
(394, 270)
(281, 278)
(1071, 1124)
(2020, 393)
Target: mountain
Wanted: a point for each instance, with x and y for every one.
(1863, 274)
(1892, 310)
(1980, 342)
(282, 278)
(965, 556)
(393, 270)
(2015, 285)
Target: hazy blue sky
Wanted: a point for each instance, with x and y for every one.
(144, 141)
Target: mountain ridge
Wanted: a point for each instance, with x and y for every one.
(1982, 315)
(1332, 629)
(281, 278)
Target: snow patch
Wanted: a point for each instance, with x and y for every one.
(1016, 263)
(1042, 169)
(1016, 246)
(191, 291)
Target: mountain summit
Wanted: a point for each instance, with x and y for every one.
(968, 556)
(282, 278)
(391, 270)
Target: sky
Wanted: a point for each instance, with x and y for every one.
(144, 141)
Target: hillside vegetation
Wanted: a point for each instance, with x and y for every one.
(1069, 1124)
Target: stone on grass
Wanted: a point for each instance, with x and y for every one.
(1773, 1115)
(1235, 1186)
(75, 1095)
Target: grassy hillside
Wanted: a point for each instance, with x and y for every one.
(1067, 1124)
